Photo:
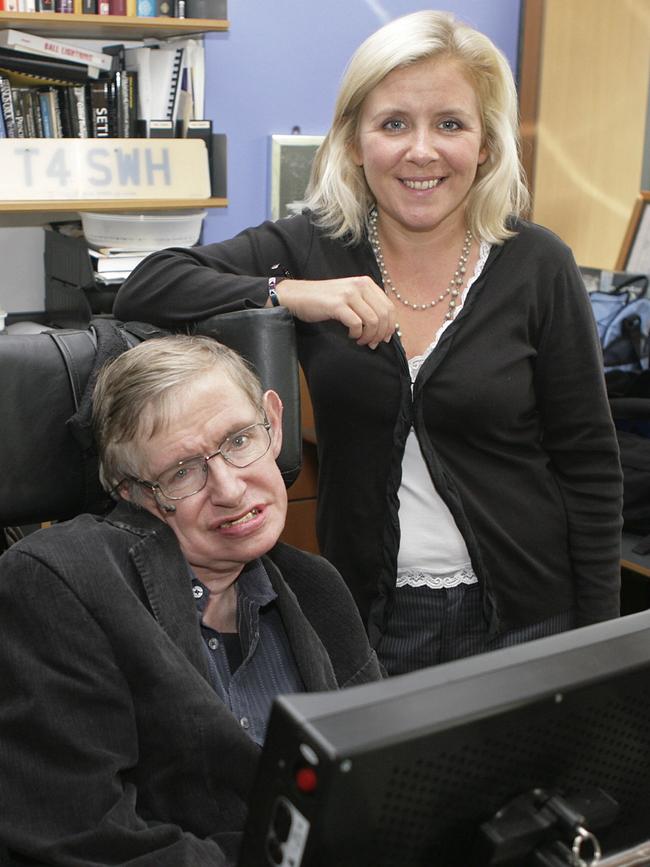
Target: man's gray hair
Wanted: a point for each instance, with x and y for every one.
(137, 393)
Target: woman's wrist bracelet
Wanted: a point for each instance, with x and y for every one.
(273, 295)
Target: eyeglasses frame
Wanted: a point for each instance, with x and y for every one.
(155, 487)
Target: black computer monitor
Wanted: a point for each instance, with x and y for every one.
(404, 773)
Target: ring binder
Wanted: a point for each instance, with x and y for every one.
(177, 66)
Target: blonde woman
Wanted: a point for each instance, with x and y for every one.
(470, 488)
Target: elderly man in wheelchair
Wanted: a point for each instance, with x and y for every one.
(142, 648)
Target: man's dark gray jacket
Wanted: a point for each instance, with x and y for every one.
(114, 748)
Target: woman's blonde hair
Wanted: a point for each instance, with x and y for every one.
(338, 193)
(137, 394)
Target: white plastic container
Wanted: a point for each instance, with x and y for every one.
(152, 231)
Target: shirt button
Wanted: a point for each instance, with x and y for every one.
(213, 643)
(197, 591)
(243, 722)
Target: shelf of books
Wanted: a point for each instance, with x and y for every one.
(112, 127)
(108, 26)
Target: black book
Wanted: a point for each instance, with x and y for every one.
(100, 109)
(7, 103)
(219, 165)
(67, 112)
(161, 129)
(22, 97)
(19, 117)
(30, 64)
(216, 144)
(81, 96)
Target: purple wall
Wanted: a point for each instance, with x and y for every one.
(279, 66)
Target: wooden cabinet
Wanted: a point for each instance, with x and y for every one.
(584, 117)
(108, 28)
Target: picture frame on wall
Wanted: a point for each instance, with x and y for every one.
(290, 162)
(635, 250)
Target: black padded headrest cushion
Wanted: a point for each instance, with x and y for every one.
(47, 471)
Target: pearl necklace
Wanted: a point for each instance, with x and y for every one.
(453, 289)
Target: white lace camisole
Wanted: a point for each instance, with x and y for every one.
(432, 551)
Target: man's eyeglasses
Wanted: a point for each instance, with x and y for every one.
(186, 478)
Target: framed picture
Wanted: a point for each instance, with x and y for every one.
(635, 252)
(291, 159)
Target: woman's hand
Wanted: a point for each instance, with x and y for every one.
(358, 303)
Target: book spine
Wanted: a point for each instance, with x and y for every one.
(125, 103)
(64, 121)
(11, 6)
(7, 107)
(55, 111)
(33, 44)
(145, 8)
(161, 129)
(100, 109)
(89, 7)
(81, 101)
(46, 6)
(132, 89)
(36, 113)
(24, 113)
(119, 97)
(18, 112)
(117, 7)
(165, 8)
(103, 7)
(44, 102)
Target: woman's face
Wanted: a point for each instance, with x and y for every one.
(240, 513)
(420, 144)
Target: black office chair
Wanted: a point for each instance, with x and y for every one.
(48, 466)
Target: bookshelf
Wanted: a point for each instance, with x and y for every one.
(58, 25)
(103, 27)
(17, 214)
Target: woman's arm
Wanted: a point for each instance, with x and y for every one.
(179, 286)
(580, 440)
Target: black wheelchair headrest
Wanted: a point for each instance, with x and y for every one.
(48, 467)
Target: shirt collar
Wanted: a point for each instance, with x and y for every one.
(253, 584)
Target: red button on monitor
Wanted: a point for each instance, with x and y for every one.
(306, 780)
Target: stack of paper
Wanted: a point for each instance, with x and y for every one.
(113, 265)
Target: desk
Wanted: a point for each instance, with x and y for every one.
(639, 563)
(635, 575)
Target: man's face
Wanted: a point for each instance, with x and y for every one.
(240, 512)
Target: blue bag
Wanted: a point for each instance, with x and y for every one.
(622, 317)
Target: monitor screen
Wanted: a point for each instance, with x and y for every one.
(406, 772)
